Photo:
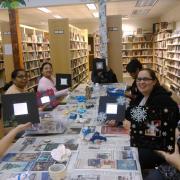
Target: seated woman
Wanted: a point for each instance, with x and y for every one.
(133, 68)
(153, 94)
(6, 141)
(19, 82)
(47, 80)
(104, 76)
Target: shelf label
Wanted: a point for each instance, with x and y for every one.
(7, 33)
(8, 49)
(112, 28)
(61, 31)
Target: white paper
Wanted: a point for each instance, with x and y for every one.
(63, 81)
(111, 108)
(45, 99)
(99, 65)
(20, 109)
(8, 49)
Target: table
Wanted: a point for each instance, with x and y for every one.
(114, 159)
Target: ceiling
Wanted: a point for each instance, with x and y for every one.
(80, 13)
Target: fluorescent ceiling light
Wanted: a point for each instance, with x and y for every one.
(143, 3)
(44, 10)
(96, 14)
(57, 16)
(91, 6)
(140, 12)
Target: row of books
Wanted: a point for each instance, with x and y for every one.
(78, 45)
(78, 62)
(78, 54)
(34, 38)
(137, 53)
(138, 46)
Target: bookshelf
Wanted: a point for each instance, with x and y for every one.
(96, 38)
(36, 50)
(160, 54)
(2, 74)
(172, 76)
(69, 52)
(138, 46)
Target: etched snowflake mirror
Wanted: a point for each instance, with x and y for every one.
(153, 127)
(111, 109)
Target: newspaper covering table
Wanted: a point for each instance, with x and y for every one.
(30, 157)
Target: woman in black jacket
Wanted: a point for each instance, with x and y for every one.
(153, 95)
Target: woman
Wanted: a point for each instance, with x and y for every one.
(47, 81)
(153, 95)
(19, 82)
(6, 141)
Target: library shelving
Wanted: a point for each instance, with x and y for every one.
(96, 38)
(36, 50)
(160, 54)
(172, 64)
(69, 50)
(137, 46)
(2, 74)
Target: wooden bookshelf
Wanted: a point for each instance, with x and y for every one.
(69, 50)
(36, 50)
(140, 47)
(172, 63)
(2, 71)
(96, 38)
(160, 54)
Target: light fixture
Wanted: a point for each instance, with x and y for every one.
(57, 16)
(96, 14)
(143, 3)
(44, 10)
(91, 6)
(140, 12)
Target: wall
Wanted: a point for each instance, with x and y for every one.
(172, 15)
(92, 26)
(127, 25)
(131, 25)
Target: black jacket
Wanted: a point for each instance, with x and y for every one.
(159, 97)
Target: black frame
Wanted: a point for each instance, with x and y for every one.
(104, 100)
(8, 111)
(98, 60)
(163, 118)
(58, 80)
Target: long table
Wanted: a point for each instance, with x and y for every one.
(114, 159)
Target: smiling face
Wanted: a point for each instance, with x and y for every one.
(47, 71)
(145, 83)
(21, 79)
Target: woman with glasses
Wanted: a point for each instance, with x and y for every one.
(153, 94)
(18, 83)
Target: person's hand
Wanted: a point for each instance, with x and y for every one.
(127, 124)
(111, 123)
(23, 127)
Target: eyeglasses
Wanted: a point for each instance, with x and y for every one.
(22, 76)
(145, 79)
